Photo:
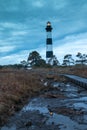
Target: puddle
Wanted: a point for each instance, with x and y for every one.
(71, 89)
(42, 110)
(80, 105)
(56, 84)
(80, 99)
(36, 104)
(83, 99)
(85, 119)
(64, 122)
(9, 128)
(71, 95)
(39, 109)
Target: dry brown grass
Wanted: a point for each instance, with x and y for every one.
(17, 86)
(76, 70)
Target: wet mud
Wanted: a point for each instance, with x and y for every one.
(61, 107)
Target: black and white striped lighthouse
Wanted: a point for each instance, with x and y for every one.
(49, 48)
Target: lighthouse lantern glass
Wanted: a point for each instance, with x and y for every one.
(48, 24)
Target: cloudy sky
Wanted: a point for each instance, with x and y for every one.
(23, 22)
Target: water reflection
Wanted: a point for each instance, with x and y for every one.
(9, 128)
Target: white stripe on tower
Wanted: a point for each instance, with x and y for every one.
(49, 49)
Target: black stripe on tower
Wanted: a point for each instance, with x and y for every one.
(49, 41)
(48, 28)
(49, 54)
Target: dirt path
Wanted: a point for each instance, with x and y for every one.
(61, 107)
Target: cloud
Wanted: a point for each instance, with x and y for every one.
(59, 4)
(71, 45)
(23, 22)
(12, 25)
(18, 33)
(5, 49)
(14, 58)
(38, 3)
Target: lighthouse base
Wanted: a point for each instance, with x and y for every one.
(49, 61)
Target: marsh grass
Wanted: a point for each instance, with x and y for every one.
(17, 86)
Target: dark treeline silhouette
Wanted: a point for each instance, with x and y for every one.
(35, 60)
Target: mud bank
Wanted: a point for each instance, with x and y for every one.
(62, 107)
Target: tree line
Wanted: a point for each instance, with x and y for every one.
(35, 60)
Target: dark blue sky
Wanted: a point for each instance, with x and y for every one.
(23, 22)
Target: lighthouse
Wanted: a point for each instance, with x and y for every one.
(49, 48)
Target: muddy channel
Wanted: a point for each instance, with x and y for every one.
(62, 107)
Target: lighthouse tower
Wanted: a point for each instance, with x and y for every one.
(49, 48)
